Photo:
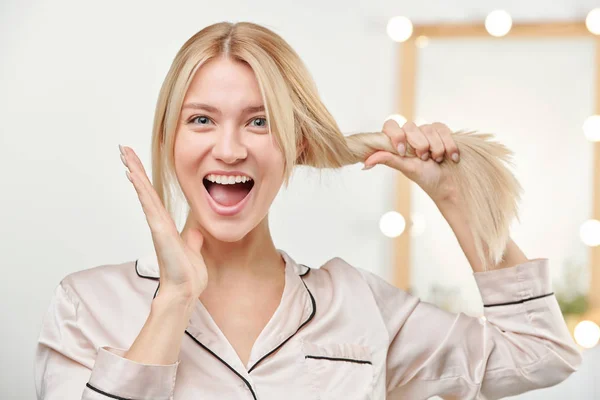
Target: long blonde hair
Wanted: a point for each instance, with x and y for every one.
(308, 135)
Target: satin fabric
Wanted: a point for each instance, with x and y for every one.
(339, 332)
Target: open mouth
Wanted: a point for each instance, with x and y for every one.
(228, 191)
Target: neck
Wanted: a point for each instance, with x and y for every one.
(254, 257)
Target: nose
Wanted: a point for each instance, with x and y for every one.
(229, 147)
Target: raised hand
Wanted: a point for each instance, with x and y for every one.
(432, 145)
(183, 273)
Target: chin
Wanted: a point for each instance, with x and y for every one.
(227, 234)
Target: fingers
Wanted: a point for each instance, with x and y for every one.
(157, 216)
(406, 165)
(408, 134)
(396, 134)
(445, 135)
(417, 139)
(436, 146)
(429, 139)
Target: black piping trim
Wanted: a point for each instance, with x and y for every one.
(112, 396)
(143, 276)
(314, 310)
(518, 301)
(156, 291)
(224, 362)
(307, 270)
(339, 359)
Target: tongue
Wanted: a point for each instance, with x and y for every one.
(228, 195)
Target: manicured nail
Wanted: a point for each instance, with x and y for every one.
(401, 149)
(121, 149)
(425, 156)
(123, 160)
(439, 159)
(128, 176)
(367, 167)
(455, 157)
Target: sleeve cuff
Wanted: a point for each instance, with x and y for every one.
(115, 375)
(513, 285)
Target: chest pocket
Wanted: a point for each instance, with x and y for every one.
(339, 370)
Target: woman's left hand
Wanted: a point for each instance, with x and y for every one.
(433, 146)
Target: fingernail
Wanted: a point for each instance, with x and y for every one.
(425, 157)
(455, 157)
(121, 149)
(367, 167)
(128, 176)
(439, 159)
(401, 149)
(123, 159)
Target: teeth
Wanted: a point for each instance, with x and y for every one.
(228, 179)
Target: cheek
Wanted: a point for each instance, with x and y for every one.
(187, 151)
(272, 163)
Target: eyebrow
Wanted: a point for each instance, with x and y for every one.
(209, 108)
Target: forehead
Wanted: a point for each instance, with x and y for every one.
(223, 81)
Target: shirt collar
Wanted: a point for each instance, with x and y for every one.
(296, 309)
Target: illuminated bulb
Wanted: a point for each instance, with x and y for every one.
(398, 118)
(589, 232)
(399, 28)
(418, 225)
(392, 224)
(587, 334)
(592, 21)
(498, 23)
(591, 127)
(422, 41)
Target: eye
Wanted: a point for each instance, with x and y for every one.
(263, 124)
(203, 120)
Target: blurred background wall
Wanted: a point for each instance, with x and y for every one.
(78, 78)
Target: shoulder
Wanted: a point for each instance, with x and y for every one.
(104, 304)
(343, 274)
(109, 284)
(339, 275)
(340, 269)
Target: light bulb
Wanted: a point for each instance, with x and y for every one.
(589, 232)
(392, 224)
(591, 128)
(587, 334)
(592, 21)
(399, 28)
(498, 23)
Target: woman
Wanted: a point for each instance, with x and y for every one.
(218, 312)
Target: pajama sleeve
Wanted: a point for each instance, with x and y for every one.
(68, 366)
(521, 343)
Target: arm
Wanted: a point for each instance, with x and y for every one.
(456, 217)
(69, 366)
(518, 347)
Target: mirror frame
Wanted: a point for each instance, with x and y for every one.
(405, 106)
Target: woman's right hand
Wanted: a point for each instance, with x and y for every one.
(183, 274)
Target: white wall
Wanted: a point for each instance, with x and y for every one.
(78, 78)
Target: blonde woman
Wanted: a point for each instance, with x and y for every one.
(218, 312)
